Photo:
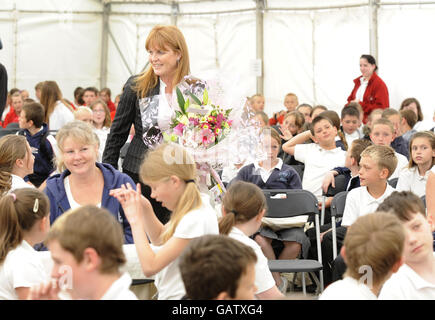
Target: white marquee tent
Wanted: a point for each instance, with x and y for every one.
(309, 47)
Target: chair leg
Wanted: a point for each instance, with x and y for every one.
(315, 279)
(304, 289)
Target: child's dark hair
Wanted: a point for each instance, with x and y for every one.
(336, 123)
(409, 116)
(350, 110)
(299, 118)
(403, 205)
(319, 118)
(20, 210)
(212, 264)
(35, 112)
(357, 147)
(242, 202)
(408, 101)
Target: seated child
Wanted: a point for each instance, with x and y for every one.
(36, 132)
(305, 109)
(256, 102)
(422, 150)
(86, 248)
(408, 119)
(415, 280)
(399, 144)
(217, 267)
(382, 134)
(290, 103)
(373, 116)
(261, 118)
(84, 114)
(372, 251)
(243, 208)
(14, 113)
(323, 132)
(340, 140)
(350, 123)
(291, 126)
(24, 222)
(317, 110)
(376, 165)
(273, 174)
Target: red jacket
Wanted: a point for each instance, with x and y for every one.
(10, 117)
(375, 96)
(111, 106)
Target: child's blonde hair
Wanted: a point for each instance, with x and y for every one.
(430, 136)
(242, 202)
(79, 131)
(173, 160)
(299, 118)
(90, 227)
(383, 156)
(12, 148)
(81, 111)
(376, 241)
(20, 210)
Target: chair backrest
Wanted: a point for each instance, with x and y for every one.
(423, 198)
(283, 203)
(393, 182)
(299, 169)
(340, 185)
(338, 203)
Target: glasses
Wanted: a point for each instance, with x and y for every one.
(98, 111)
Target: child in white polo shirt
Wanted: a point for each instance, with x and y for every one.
(372, 251)
(24, 222)
(319, 157)
(86, 249)
(415, 280)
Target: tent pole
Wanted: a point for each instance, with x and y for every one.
(175, 10)
(104, 46)
(260, 43)
(14, 72)
(373, 27)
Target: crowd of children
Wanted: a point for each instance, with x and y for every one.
(57, 195)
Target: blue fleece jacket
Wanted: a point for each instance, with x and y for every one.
(44, 156)
(113, 179)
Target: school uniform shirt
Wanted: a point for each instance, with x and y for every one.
(360, 202)
(102, 137)
(402, 162)
(120, 289)
(263, 277)
(22, 268)
(411, 180)
(406, 284)
(60, 116)
(18, 182)
(194, 224)
(351, 137)
(347, 289)
(318, 162)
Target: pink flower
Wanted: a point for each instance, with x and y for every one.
(207, 137)
(178, 130)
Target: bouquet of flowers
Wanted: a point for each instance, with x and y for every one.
(200, 126)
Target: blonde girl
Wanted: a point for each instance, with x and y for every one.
(422, 151)
(16, 162)
(170, 172)
(244, 205)
(24, 222)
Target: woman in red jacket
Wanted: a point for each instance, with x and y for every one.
(369, 90)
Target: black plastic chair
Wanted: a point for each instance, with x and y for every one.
(340, 185)
(337, 209)
(297, 202)
(393, 182)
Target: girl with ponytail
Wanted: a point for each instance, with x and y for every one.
(24, 222)
(243, 207)
(170, 172)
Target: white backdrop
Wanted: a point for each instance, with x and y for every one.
(311, 52)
